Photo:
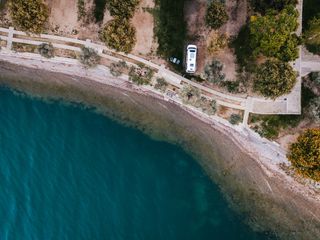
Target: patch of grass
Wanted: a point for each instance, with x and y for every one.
(310, 9)
(170, 28)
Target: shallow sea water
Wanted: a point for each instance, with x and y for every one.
(69, 173)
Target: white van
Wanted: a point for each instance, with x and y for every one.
(191, 59)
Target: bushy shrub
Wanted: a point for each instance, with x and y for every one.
(217, 42)
(46, 50)
(121, 8)
(315, 109)
(264, 5)
(315, 77)
(29, 15)
(312, 36)
(191, 95)
(208, 106)
(119, 34)
(213, 72)
(141, 75)
(161, 84)
(272, 35)
(116, 69)
(235, 119)
(274, 78)
(81, 9)
(216, 15)
(304, 154)
(89, 57)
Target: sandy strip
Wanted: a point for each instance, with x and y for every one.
(255, 186)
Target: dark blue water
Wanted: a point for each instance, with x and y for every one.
(69, 173)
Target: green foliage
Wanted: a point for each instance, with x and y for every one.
(217, 42)
(29, 15)
(116, 69)
(161, 84)
(46, 50)
(121, 8)
(99, 9)
(89, 57)
(213, 72)
(235, 119)
(304, 154)
(272, 35)
(243, 50)
(263, 6)
(141, 75)
(315, 109)
(312, 35)
(311, 8)
(274, 78)
(190, 95)
(269, 126)
(81, 9)
(216, 15)
(170, 28)
(119, 34)
(315, 77)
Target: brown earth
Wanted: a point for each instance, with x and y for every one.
(195, 11)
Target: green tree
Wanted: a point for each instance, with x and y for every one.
(274, 78)
(216, 15)
(119, 34)
(121, 8)
(89, 57)
(272, 35)
(46, 50)
(304, 154)
(312, 35)
(264, 5)
(29, 15)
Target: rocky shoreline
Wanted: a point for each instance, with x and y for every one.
(245, 169)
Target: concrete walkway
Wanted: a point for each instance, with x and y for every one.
(289, 104)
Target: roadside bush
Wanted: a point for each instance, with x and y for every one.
(81, 9)
(315, 109)
(191, 95)
(269, 126)
(141, 75)
(216, 42)
(312, 35)
(46, 50)
(161, 84)
(116, 69)
(304, 154)
(89, 57)
(119, 35)
(235, 119)
(208, 106)
(122, 9)
(274, 78)
(213, 72)
(29, 15)
(272, 35)
(315, 77)
(216, 15)
(263, 6)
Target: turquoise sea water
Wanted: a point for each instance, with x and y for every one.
(69, 173)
